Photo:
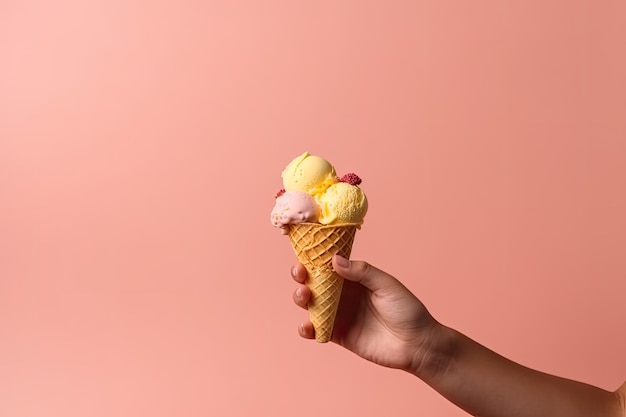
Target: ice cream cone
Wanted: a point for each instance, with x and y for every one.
(314, 245)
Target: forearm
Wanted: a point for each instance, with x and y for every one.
(486, 384)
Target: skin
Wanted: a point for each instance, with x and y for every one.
(380, 320)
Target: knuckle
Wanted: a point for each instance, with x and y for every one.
(362, 268)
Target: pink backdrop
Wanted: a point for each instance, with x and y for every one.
(141, 144)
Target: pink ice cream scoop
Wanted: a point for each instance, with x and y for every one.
(294, 207)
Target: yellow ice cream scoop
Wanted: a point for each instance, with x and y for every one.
(308, 173)
(342, 203)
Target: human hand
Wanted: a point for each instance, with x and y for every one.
(378, 318)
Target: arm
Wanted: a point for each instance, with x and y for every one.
(380, 320)
(486, 384)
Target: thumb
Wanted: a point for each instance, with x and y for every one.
(369, 276)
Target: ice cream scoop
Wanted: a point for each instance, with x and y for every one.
(293, 207)
(342, 203)
(308, 173)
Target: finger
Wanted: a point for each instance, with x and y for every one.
(306, 330)
(358, 271)
(301, 296)
(298, 273)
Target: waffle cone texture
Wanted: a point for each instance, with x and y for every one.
(314, 245)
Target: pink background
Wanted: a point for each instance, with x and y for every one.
(141, 144)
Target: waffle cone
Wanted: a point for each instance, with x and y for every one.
(314, 245)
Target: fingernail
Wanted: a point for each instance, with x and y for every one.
(301, 328)
(298, 293)
(342, 262)
(293, 271)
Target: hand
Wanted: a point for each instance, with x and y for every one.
(378, 318)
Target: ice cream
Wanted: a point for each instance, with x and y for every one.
(342, 203)
(320, 212)
(308, 173)
(313, 193)
(293, 207)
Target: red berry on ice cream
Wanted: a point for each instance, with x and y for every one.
(351, 179)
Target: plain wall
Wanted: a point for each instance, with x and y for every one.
(141, 145)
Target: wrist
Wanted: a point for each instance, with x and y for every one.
(436, 352)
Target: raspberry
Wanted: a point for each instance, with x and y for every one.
(279, 193)
(351, 179)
